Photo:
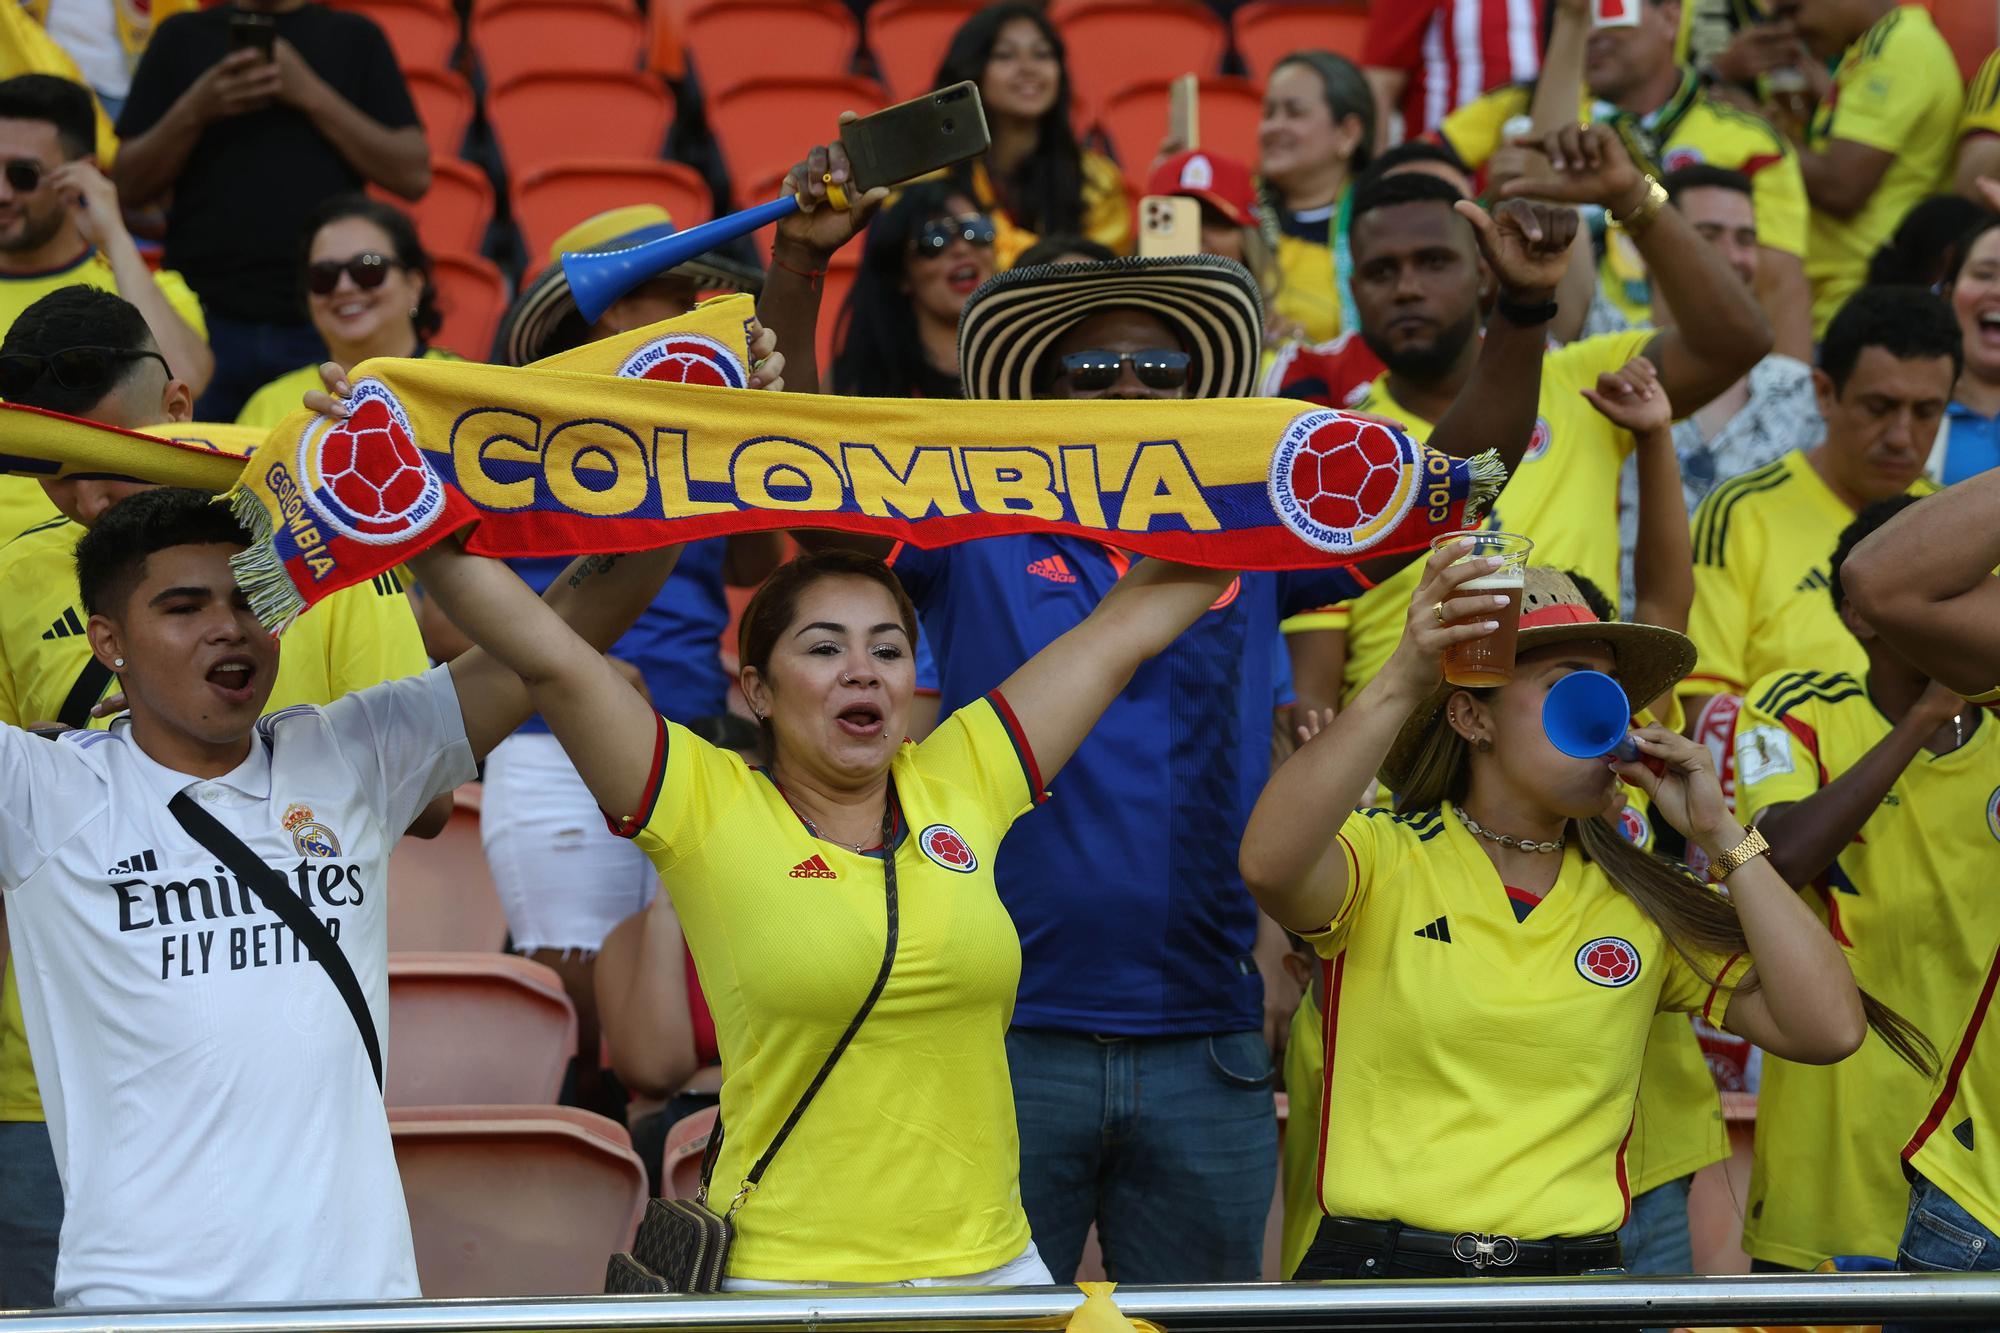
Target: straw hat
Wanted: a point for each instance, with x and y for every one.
(1210, 302)
(1647, 660)
(545, 319)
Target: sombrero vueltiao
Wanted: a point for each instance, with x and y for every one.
(545, 320)
(1014, 318)
(1649, 660)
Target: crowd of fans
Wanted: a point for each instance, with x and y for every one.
(1721, 286)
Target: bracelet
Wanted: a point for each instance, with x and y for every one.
(812, 275)
(1526, 316)
(1744, 852)
(1642, 215)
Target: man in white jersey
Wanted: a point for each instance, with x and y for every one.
(211, 1098)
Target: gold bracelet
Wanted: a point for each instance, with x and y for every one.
(1642, 216)
(1744, 852)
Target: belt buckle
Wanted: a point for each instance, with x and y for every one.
(1483, 1251)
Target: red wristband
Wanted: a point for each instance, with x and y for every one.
(812, 275)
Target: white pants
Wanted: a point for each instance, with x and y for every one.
(1024, 1270)
(564, 878)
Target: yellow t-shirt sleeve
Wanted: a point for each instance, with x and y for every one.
(1324, 617)
(1779, 191)
(1107, 211)
(1702, 987)
(1881, 99)
(278, 399)
(182, 299)
(374, 636)
(1366, 842)
(1982, 100)
(1473, 130)
(982, 750)
(1574, 368)
(691, 785)
(1775, 765)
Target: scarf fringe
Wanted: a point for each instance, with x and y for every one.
(259, 569)
(1489, 474)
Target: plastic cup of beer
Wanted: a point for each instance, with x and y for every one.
(1489, 660)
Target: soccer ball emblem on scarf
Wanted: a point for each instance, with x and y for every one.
(366, 476)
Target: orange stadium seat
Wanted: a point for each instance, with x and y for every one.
(515, 36)
(1135, 120)
(743, 116)
(423, 33)
(734, 41)
(1269, 30)
(445, 105)
(476, 1028)
(1972, 29)
(680, 1160)
(908, 39)
(509, 1201)
(441, 894)
(473, 294)
(454, 212)
(541, 118)
(554, 199)
(1115, 44)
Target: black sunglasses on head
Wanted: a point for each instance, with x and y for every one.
(936, 237)
(78, 369)
(368, 269)
(1157, 368)
(24, 174)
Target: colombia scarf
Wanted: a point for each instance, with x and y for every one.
(553, 459)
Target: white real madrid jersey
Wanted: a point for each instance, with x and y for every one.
(214, 1116)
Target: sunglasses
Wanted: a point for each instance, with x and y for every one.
(24, 175)
(936, 237)
(368, 269)
(1157, 368)
(78, 369)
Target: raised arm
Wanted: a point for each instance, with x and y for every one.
(1663, 556)
(1924, 580)
(1291, 858)
(804, 244)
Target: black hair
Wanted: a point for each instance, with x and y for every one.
(1922, 250)
(1706, 176)
(1045, 192)
(1405, 187)
(402, 233)
(880, 353)
(1054, 249)
(1871, 517)
(1410, 151)
(78, 316)
(56, 101)
(1593, 596)
(1962, 249)
(1907, 322)
(111, 558)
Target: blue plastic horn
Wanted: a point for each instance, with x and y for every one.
(597, 278)
(1587, 716)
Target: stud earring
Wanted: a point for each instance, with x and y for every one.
(117, 664)
(1483, 744)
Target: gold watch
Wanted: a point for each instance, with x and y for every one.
(1744, 852)
(1636, 222)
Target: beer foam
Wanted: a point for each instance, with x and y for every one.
(1503, 580)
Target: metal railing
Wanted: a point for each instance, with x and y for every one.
(1869, 1298)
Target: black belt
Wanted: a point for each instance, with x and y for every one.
(1560, 1255)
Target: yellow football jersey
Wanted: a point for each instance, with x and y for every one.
(1982, 100)
(1897, 89)
(92, 269)
(1953, 1144)
(787, 932)
(1482, 1070)
(358, 637)
(283, 395)
(1298, 1167)
(23, 505)
(1763, 546)
(1910, 900)
(1564, 495)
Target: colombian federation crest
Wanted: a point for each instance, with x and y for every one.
(309, 836)
(943, 844)
(686, 358)
(1608, 961)
(1342, 482)
(365, 475)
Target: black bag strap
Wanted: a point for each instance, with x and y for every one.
(83, 696)
(272, 891)
(853, 1025)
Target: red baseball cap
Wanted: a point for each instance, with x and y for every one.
(1221, 182)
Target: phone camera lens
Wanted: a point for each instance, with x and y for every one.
(948, 126)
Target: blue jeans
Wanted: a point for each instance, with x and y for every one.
(249, 356)
(1169, 1144)
(1655, 1237)
(1941, 1237)
(31, 1215)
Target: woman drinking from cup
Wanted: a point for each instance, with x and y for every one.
(1483, 1060)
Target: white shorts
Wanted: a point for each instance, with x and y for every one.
(564, 878)
(1024, 1270)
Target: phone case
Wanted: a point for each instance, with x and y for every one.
(917, 137)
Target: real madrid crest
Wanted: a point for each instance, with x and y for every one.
(309, 837)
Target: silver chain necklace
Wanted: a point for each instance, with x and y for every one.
(1521, 844)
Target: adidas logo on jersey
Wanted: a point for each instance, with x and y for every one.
(1439, 930)
(137, 864)
(67, 625)
(1814, 581)
(1053, 568)
(814, 867)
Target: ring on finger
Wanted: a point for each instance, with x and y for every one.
(1438, 611)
